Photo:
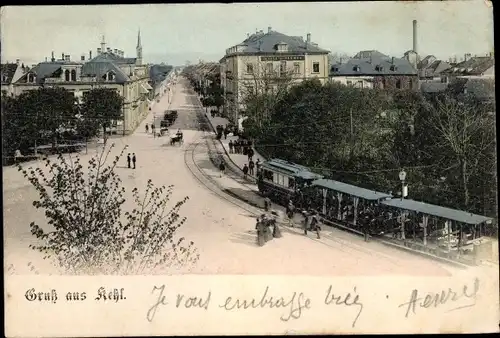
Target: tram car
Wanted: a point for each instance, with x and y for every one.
(282, 181)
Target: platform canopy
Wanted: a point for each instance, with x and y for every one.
(436, 210)
(351, 189)
(290, 168)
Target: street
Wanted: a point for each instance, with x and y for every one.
(223, 232)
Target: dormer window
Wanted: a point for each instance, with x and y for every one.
(111, 76)
(356, 68)
(393, 68)
(4, 78)
(31, 78)
(379, 68)
(335, 69)
(281, 47)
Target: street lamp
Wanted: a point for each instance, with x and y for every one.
(402, 178)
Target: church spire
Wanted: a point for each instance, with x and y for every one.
(138, 49)
(139, 39)
(103, 44)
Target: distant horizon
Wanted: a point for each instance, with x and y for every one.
(445, 28)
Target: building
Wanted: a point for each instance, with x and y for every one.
(11, 72)
(159, 76)
(471, 66)
(108, 69)
(430, 68)
(372, 69)
(266, 62)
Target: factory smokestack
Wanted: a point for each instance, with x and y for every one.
(415, 36)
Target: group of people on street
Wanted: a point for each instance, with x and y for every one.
(132, 159)
(152, 128)
(241, 146)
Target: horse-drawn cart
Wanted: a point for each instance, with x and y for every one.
(178, 138)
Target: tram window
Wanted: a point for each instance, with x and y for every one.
(291, 183)
(285, 181)
(275, 178)
(268, 175)
(280, 179)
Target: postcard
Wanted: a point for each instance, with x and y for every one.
(249, 169)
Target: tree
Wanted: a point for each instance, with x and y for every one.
(104, 105)
(88, 232)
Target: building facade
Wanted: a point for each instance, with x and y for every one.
(10, 73)
(267, 62)
(372, 69)
(108, 69)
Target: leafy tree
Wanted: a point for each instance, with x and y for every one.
(104, 105)
(89, 230)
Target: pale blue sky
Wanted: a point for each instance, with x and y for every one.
(176, 33)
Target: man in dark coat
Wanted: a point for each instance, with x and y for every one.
(133, 159)
(251, 167)
(245, 170)
(128, 160)
(231, 146)
(250, 154)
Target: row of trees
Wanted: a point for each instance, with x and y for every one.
(52, 115)
(446, 142)
(209, 87)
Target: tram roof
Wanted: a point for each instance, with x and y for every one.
(291, 169)
(436, 210)
(351, 189)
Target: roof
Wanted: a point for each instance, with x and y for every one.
(290, 168)
(8, 70)
(351, 189)
(265, 43)
(158, 73)
(476, 65)
(370, 66)
(366, 54)
(435, 210)
(44, 70)
(112, 57)
(99, 68)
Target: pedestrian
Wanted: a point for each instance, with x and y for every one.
(250, 153)
(245, 170)
(226, 132)
(305, 221)
(251, 167)
(222, 168)
(315, 224)
(147, 128)
(153, 128)
(257, 165)
(230, 146)
(267, 203)
(133, 159)
(128, 160)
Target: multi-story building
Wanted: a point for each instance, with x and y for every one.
(11, 72)
(108, 69)
(372, 69)
(268, 62)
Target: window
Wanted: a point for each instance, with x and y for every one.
(315, 67)
(269, 67)
(398, 83)
(393, 68)
(31, 78)
(111, 76)
(249, 68)
(66, 75)
(349, 83)
(73, 75)
(296, 68)
(359, 84)
(283, 68)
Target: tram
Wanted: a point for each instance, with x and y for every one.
(282, 181)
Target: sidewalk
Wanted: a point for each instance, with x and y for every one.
(238, 159)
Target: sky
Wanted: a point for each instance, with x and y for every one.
(178, 33)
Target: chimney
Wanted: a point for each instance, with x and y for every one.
(62, 56)
(83, 58)
(248, 35)
(415, 36)
(45, 60)
(308, 38)
(52, 58)
(90, 55)
(108, 49)
(340, 61)
(116, 51)
(269, 29)
(393, 59)
(99, 51)
(67, 58)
